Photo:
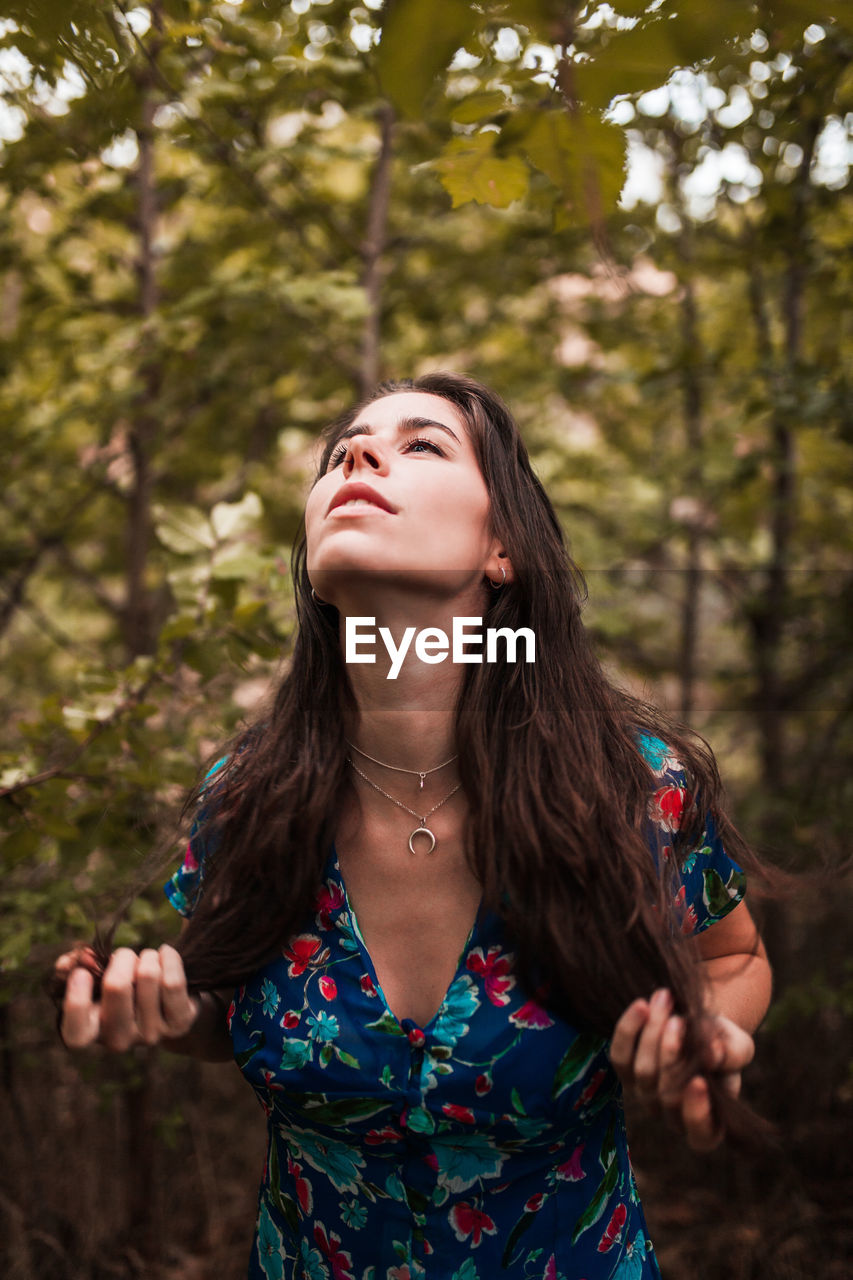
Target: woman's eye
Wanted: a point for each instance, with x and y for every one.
(427, 444)
(412, 446)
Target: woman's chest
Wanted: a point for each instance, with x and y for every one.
(316, 1037)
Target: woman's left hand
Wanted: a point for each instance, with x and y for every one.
(646, 1051)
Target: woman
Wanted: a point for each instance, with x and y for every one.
(461, 906)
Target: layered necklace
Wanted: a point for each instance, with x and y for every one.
(423, 829)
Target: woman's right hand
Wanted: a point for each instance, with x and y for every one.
(144, 999)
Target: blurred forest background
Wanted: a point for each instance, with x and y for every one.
(219, 223)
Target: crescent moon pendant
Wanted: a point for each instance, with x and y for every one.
(422, 831)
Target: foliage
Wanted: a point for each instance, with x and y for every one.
(215, 232)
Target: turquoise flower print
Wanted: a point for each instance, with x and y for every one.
(395, 1188)
(631, 1263)
(313, 1266)
(353, 1214)
(460, 1003)
(468, 1271)
(653, 750)
(324, 1027)
(294, 1054)
(338, 1161)
(462, 1164)
(269, 1246)
(270, 997)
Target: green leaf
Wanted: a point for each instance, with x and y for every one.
(575, 1061)
(470, 170)
(598, 1202)
(523, 1224)
(479, 106)
(718, 895)
(419, 39)
(247, 1054)
(231, 519)
(583, 156)
(387, 1024)
(340, 1111)
(183, 529)
(630, 63)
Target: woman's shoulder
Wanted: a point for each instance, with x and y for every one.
(673, 798)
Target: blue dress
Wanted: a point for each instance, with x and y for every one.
(490, 1143)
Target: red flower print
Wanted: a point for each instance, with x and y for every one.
(416, 1037)
(366, 984)
(467, 1221)
(290, 1019)
(465, 1114)
(375, 1137)
(535, 1203)
(301, 1185)
(330, 1247)
(190, 860)
(531, 1016)
(482, 1085)
(302, 952)
(688, 915)
(494, 968)
(330, 897)
(592, 1088)
(550, 1269)
(328, 988)
(571, 1170)
(666, 807)
(229, 1017)
(613, 1230)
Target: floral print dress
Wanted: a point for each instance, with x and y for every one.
(490, 1143)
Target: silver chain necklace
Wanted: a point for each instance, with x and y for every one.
(397, 768)
(423, 829)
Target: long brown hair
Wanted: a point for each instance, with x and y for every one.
(556, 787)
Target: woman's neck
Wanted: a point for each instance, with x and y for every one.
(406, 706)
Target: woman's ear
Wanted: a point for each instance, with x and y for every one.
(498, 569)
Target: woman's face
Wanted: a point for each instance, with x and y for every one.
(403, 499)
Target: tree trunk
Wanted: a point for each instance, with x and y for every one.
(372, 250)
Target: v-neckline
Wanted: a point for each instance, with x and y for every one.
(405, 1024)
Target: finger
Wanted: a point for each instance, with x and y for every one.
(80, 1016)
(728, 1047)
(647, 1056)
(179, 1009)
(80, 954)
(731, 1083)
(147, 997)
(118, 1016)
(623, 1045)
(671, 1077)
(698, 1117)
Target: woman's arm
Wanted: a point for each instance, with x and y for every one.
(737, 973)
(144, 1000)
(647, 1039)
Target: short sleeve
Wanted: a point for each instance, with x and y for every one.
(183, 889)
(711, 884)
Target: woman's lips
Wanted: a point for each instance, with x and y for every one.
(362, 496)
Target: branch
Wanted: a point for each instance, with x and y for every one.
(224, 151)
(101, 726)
(373, 248)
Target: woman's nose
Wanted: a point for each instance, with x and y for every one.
(365, 451)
